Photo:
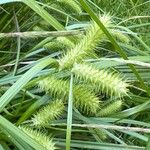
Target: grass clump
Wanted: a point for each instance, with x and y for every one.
(44, 78)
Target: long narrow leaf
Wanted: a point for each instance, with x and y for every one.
(16, 87)
(111, 38)
(69, 116)
(17, 132)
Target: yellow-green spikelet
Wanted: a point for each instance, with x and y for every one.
(70, 5)
(84, 99)
(86, 46)
(60, 43)
(124, 38)
(48, 113)
(110, 108)
(101, 80)
(39, 137)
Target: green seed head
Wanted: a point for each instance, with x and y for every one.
(101, 80)
(85, 100)
(39, 137)
(48, 113)
(110, 108)
(85, 48)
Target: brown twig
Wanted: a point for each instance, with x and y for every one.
(37, 34)
(135, 62)
(112, 127)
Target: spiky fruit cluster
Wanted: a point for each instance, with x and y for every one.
(48, 113)
(120, 36)
(70, 5)
(39, 137)
(84, 99)
(60, 43)
(110, 108)
(85, 48)
(101, 80)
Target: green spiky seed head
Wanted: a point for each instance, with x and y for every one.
(101, 80)
(101, 133)
(37, 28)
(110, 108)
(84, 99)
(57, 88)
(70, 5)
(48, 113)
(39, 137)
(120, 36)
(60, 43)
(85, 48)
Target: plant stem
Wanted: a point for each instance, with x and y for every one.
(113, 41)
(37, 34)
(69, 116)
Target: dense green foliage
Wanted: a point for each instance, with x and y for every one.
(72, 88)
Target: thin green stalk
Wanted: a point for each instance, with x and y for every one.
(44, 14)
(117, 47)
(148, 144)
(16, 87)
(32, 108)
(18, 44)
(69, 116)
(6, 125)
(39, 10)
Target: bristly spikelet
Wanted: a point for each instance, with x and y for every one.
(101, 80)
(57, 88)
(100, 133)
(120, 36)
(84, 99)
(110, 108)
(37, 28)
(60, 43)
(70, 5)
(86, 46)
(49, 113)
(39, 137)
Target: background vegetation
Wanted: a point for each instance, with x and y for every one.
(68, 82)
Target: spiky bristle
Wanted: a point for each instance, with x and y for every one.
(60, 43)
(49, 113)
(86, 46)
(84, 99)
(101, 80)
(120, 36)
(39, 137)
(70, 5)
(110, 108)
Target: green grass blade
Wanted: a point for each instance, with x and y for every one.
(69, 116)
(17, 141)
(32, 108)
(117, 47)
(44, 14)
(16, 87)
(99, 146)
(4, 123)
(148, 145)
(39, 10)
(133, 110)
(18, 44)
